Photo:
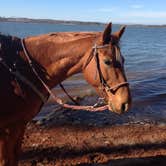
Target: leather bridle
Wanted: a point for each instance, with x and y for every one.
(103, 82)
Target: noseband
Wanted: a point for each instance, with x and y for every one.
(103, 82)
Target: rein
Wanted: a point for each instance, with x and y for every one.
(55, 98)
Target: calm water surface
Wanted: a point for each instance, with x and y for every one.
(145, 53)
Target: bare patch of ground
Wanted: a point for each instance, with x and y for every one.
(122, 145)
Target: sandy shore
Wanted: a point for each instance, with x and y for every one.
(89, 145)
(63, 137)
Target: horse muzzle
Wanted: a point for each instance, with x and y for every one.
(120, 108)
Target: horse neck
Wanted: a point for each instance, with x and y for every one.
(59, 59)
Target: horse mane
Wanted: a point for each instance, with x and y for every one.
(9, 46)
(5, 41)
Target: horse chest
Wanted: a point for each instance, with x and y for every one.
(23, 104)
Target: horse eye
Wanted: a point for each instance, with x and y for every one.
(108, 62)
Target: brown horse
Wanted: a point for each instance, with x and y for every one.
(55, 57)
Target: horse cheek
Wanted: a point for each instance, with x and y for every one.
(91, 76)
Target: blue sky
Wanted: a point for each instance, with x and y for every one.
(117, 11)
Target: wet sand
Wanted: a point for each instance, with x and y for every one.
(120, 145)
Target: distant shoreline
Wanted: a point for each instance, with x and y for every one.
(68, 22)
(50, 21)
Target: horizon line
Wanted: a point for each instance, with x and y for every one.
(79, 21)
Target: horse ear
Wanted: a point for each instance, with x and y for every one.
(119, 33)
(107, 34)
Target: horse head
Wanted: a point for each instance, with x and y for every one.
(105, 71)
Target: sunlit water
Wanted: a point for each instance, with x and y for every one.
(145, 62)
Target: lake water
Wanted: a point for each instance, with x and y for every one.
(145, 52)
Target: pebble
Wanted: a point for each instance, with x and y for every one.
(76, 122)
(162, 124)
(39, 122)
(107, 142)
(35, 145)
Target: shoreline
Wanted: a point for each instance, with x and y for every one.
(71, 22)
(49, 21)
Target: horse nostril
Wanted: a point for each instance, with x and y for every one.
(124, 107)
